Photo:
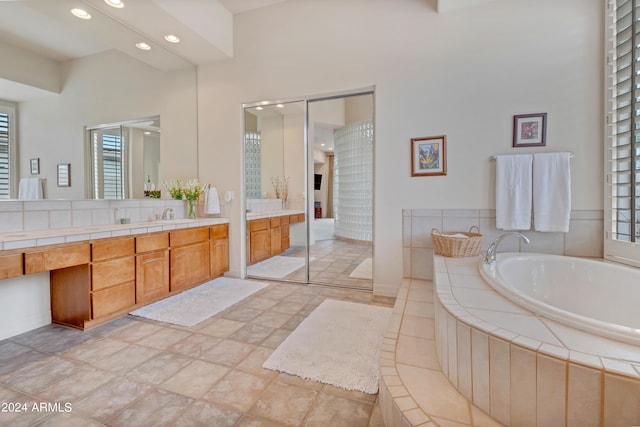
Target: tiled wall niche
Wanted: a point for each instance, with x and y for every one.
(584, 238)
(54, 214)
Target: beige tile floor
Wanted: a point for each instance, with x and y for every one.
(333, 261)
(135, 372)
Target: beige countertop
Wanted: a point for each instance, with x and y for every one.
(270, 214)
(29, 239)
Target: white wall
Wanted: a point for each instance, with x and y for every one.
(106, 88)
(463, 73)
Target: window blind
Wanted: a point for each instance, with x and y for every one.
(622, 155)
(5, 156)
(112, 167)
(624, 177)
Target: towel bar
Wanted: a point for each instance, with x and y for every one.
(493, 158)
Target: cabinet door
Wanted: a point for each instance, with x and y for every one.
(260, 245)
(152, 275)
(276, 241)
(189, 265)
(285, 242)
(219, 257)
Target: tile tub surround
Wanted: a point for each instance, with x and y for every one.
(35, 215)
(523, 369)
(584, 238)
(413, 389)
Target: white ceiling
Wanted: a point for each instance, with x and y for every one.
(47, 29)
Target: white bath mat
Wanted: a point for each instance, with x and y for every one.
(276, 267)
(338, 343)
(364, 270)
(197, 304)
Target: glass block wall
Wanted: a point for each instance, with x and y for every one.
(252, 162)
(353, 181)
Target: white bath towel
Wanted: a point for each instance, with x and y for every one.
(211, 201)
(31, 189)
(513, 191)
(551, 191)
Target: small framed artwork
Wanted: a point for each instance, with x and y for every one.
(429, 156)
(64, 175)
(529, 130)
(35, 166)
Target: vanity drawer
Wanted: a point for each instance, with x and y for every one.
(259, 224)
(105, 249)
(284, 220)
(11, 265)
(109, 273)
(115, 298)
(53, 258)
(275, 222)
(152, 242)
(188, 236)
(218, 232)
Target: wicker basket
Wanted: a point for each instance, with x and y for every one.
(448, 245)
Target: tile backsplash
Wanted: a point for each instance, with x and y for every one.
(584, 239)
(53, 214)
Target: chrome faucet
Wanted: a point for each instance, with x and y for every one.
(167, 213)
(490, 255)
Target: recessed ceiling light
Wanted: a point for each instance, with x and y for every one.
(172, 38)
(81, 13)
(115, 3)
(280, 106)
(259, 108)
(264, 102)
(322, 145)
(330, 148)
(143, 46)
(147, 132)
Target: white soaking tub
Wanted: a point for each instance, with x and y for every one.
(594, 296)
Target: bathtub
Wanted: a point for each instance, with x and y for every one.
(594, 296)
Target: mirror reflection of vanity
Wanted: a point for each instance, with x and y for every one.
(274, 184)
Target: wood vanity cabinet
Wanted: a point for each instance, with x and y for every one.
(268, 237)
(284, 233)
(97, 280)
(113, 275)
(189, 257)
(259, 240)
(276, 236)
(11, 264)
(218, 250)
(152, 267)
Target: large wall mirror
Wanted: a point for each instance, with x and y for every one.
(322, 148)
(124, 159)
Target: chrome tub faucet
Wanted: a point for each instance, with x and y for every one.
(490, 255)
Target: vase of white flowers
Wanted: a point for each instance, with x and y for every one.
(192, 192)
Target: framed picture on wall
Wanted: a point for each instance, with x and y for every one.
(429, 156)
(529, 130)
(35, 166)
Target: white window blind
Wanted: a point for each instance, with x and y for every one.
(623, 155)
(7, 143)
(109, 166)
